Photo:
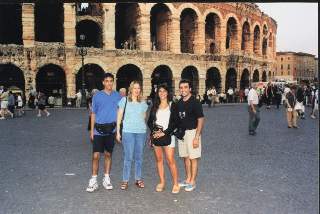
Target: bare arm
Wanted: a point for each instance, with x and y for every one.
(119, 119)
(199, 127)
(93, 120)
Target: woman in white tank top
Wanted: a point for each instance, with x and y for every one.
(160, 115)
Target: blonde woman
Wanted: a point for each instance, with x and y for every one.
(133, 111)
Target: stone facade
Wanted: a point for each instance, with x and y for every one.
(296, 66)
(229, 38)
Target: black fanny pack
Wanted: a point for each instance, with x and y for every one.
(106, 128)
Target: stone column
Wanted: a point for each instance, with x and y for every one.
(222, 37)
(223, 76)
(239, 38)
(199, 44)
(69, 24)
(174, 32)
(202, 85)
(71, 82)
(147, 87)
(143, 32)
(176, 85)
(109, 26)
(28, 33)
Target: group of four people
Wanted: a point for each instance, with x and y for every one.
(124, 120)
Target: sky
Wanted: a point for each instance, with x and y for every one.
(297, 25)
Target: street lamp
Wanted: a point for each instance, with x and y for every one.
(83, 52)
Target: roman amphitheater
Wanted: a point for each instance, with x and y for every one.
(212, 44)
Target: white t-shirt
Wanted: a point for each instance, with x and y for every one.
(246, 92)
(79, 95)
(253, 96)
(19, 101)
(163, 117)
(230, 91)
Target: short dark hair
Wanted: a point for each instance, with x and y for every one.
(108, 75)
(185, 81)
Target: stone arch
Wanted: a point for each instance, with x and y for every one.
(11, 24)
(231, 79)
(264, 76)
(12, 76)
(160, 22)
(92, 9)
(255, 76)
(170, 6)
(213, 78)
(212, 33)
(126, 74)
(191, 73)
(184, 6)
(93, 76)
(188, 30)
(245, 79)
(256, 39)
(92, 32)
(49, 21)
(162, 74)
(232, 32)
(92, 60)
(214, 11)
(126, 22)
(246, 36)
(51, 80)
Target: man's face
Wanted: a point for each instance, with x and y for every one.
(108, 83)
(184, 89)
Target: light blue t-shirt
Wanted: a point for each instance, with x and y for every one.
(134, 118)
(105, 107)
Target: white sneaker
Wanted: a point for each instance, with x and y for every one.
(39, 115)
(107, 183)
(93, 185)
(313, 117)
(48, 114)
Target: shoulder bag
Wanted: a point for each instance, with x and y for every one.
(124, 113)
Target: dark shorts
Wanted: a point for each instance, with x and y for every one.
(103, 143)
(41, 106)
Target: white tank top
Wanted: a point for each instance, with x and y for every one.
(163, 116)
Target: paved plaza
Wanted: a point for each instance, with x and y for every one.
(46, 163)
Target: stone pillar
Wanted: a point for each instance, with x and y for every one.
(71, 82)
(176, 85)
(28, 33)
(147, 87)
(69, 24)
(174, 32)
(222, 37)
(223, 76)
(239, 38)
(202, 85)
(143, 32)
(199, 43)
(109, 26)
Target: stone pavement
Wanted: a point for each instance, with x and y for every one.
(45, 167)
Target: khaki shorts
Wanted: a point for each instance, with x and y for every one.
(186, 145)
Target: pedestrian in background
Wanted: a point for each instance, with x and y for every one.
(290, 108)
(42, 99)
(254, 110)
(20, 111)
(11, 102)
(4, 97)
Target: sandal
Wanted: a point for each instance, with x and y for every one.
(175, 189)
(160, 187)
(124, 185)
(140, 184)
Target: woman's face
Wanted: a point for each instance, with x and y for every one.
(136, 90)
(163, 94)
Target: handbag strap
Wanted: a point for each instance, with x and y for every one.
(124, 111)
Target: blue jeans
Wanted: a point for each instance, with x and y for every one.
(133, 145)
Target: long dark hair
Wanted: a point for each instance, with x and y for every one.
(156, 100)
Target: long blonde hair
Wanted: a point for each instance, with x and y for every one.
(139, 98)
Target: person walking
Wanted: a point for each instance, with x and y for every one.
(20, 111)
(210, 97)
(11, 102)
(290, 108)
(230, 95)
(300, 99)
(254, 110)
(160, 116)
(4, 97)
(246, 92)
(190, 120)
(42, 104)
(102, 131)
(315, 104)
(132, 114)
(78, 99)
(268, 94)
(277, 96)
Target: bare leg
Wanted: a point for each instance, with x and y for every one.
(194, 170)
(107, 163)
(187, 166)
(172, 164)
(159, 159)
(95, 163)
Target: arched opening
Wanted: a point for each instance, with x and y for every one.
(244, 82)
(213, 78)
(231, 79)
(159, 27)
(126, 25)
(51, 80)
(245, 36)
(49, 20)
(89, 9)
(231, 39)
(269, 75)
(93, 77)
(92, 32)
(11, 77)
(255, 77)
(162, 74)
(128, 73)
(11, 24)
(264, 76)
(191, 73)
(270, 41)
(188, 29)
(256, 39)
(212, 29)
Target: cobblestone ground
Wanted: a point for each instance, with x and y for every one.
(45, 167)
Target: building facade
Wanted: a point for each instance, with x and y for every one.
(296, 66)
(212, 44)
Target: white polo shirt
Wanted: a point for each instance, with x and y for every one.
(253, 96)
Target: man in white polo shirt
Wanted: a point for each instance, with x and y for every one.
(254, 111)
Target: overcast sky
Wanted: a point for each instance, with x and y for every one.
(297, 25)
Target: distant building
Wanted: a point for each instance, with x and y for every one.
(295, 66)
